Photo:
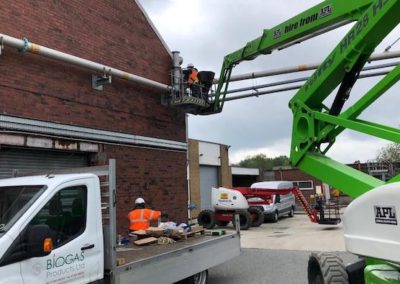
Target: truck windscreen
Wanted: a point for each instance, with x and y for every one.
(14, 201)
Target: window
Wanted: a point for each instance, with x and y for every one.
(65, 214)
(14, 201)
(304, 184)
(65, 217)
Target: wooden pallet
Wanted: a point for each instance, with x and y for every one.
(146, 241)
(199, 230)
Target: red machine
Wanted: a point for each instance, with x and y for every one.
(321, 213)
(240, 200)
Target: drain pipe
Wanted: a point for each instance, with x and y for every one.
(25, 46)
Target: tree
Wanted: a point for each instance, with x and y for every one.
(261, 161)
(389, 154)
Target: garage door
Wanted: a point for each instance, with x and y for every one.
(208, 179)
(31, 161)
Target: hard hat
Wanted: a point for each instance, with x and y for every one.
(139, 200)
(190, 65)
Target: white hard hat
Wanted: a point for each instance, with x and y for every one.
(190, 65)
(139, 200)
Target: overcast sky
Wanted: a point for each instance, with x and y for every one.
(204, 31)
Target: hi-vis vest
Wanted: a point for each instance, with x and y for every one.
(193, 77)
(140, 218)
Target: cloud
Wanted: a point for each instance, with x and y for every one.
(279, 148)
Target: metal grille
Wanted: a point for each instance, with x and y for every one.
(17, 162)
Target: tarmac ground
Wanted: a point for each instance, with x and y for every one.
(278, 252)
(297, 233)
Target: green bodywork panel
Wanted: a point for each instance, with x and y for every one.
(323, 167)
(315, 125)
(381, 274)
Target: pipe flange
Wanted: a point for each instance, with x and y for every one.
(25, 48)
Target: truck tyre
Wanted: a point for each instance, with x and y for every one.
(206, 219)
(326, 268)
(257, 216)
(244, 219)
(275, 217)
(221, 223)
(199, 278)
(291, 212)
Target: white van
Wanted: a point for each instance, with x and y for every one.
(280, 204)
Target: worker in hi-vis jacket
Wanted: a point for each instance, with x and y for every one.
(140, 217)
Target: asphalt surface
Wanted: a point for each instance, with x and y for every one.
(256, 266)
(297, 233)
(278, 252)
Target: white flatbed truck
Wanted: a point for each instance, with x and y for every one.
(61, 228)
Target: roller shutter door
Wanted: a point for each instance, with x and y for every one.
(208, 179)
(30, 161)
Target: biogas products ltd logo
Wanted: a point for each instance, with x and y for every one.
(67, 267)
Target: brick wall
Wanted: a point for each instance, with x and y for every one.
(154, 175)
(114, 33)
(297, 175)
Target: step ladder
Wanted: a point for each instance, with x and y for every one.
(312, 213)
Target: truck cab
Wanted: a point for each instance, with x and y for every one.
(51, 229)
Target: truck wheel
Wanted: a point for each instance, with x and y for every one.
(275, 217)
(326, 268)
(221, 223)
(291, 212)
(199, 278)
(244, 219)
(257, 216)
(206, 219)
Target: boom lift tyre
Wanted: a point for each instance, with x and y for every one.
(244, 219)
(257, 216)
(206, 219)
(326, 268)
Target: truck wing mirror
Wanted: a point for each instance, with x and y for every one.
(40, 242)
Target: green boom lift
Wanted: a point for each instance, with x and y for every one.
(316, 126)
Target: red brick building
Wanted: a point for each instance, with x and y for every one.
(52, 117)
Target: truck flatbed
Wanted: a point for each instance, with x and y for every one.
(154, 263)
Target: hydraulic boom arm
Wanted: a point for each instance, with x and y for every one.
(321, 18)
(315, 126)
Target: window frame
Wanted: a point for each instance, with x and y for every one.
(296, 183)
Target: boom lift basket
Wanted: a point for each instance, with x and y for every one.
(192, 100)
(328, 211)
